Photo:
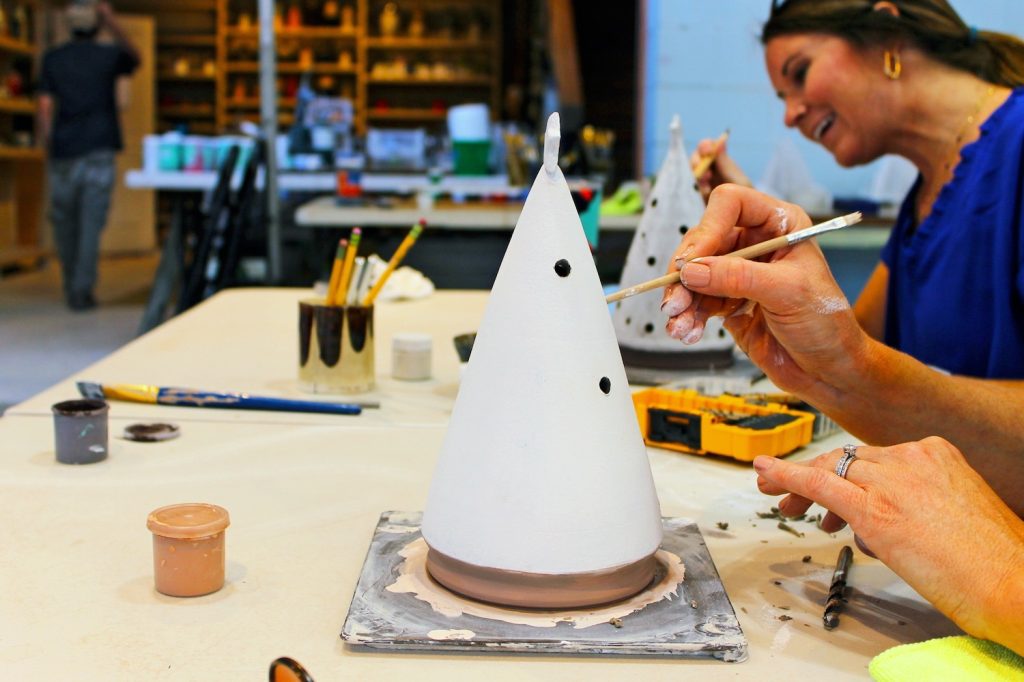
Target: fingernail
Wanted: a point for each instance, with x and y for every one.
(694, 335)
(696, 275)
(762, 463)
(680, 327)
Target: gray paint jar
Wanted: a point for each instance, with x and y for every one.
(80, 431)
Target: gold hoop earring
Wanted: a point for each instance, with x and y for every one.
(892, 67)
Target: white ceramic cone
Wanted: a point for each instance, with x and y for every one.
(675, 205)
(541, 471)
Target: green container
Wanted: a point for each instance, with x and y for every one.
(471, 157)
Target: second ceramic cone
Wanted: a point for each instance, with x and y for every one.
(673, 208)
(543, 475)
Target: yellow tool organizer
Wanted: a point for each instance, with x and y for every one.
(686, 421)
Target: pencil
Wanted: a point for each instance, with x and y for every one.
(336, 268)
(835, 593)
(399, 254)
(346, 273)
(749, 252)
(705, 162)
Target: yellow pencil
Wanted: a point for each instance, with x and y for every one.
(346, 273)
(406, 244)
(336, 268)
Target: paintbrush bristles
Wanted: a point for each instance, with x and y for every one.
(749, 252)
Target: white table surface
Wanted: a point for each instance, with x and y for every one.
(304, 493)
(246, 340)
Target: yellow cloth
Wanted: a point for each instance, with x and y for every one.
(948, 659)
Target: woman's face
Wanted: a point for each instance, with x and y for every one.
(831, 94)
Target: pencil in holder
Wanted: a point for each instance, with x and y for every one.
(336, 348)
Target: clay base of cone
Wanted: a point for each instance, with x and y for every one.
(540, 590)
(691, 359)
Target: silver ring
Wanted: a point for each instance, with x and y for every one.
(843, 465)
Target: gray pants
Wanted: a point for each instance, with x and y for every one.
(79, 200)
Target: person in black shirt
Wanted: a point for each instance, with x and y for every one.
(78, 124)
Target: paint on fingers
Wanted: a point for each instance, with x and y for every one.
(782, 219)
(830, 305)
(677, 301)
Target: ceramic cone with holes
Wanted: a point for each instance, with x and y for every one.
(542, 495)
(675, 205)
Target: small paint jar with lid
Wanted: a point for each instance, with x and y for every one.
(411, 357)
(188, 548)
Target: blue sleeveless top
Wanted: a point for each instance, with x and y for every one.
(956, 283)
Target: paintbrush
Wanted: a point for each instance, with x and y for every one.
(396, 258)
(749, 252)
(705, 161)
(835, 593)
(186, 397)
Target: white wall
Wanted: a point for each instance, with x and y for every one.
(703, 61)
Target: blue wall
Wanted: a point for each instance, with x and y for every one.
(704, 62)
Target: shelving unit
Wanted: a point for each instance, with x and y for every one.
(393, 80)
(22, 178)
(427, 57)
(186, 62)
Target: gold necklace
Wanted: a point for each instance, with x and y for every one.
(968, 126)
(926, 199)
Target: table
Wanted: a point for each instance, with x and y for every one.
(304, 497)
(473, 216)
(246, 340)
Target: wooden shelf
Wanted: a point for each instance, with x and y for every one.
(189, 77)
(187, 110)
(195, 127)
(409, 98)
(397, 114)
(420, 82)
(254, 103)
(186, 40)
(22, 153)
(17, 255)
(17, 105)
(254, 67)
(17, 46)
(427, 44)
(307, 32)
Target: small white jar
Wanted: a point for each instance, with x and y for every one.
(411, 357)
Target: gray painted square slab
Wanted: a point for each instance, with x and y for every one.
(696, 620)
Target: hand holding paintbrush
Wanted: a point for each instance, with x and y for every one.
(749, 252)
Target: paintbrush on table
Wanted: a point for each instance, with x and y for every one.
(186, 397)
(749, 252)
(835, 600)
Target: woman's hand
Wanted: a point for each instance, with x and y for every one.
(930, 517)
(787, 313)
(723, 169)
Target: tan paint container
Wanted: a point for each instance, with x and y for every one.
(188, 548)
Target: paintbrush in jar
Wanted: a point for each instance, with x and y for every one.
(748, 252)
